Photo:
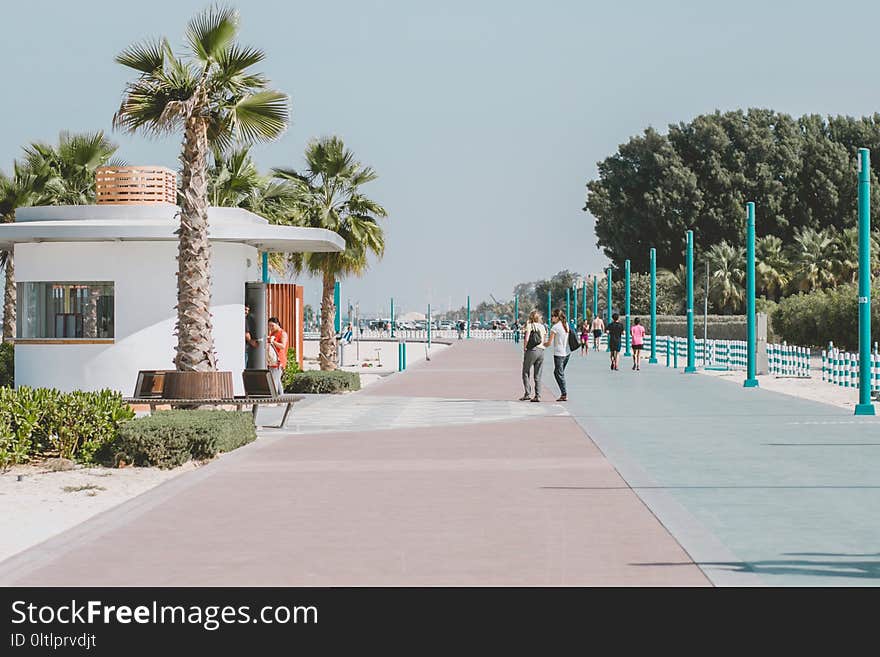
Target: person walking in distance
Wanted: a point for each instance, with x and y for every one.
(637, 332)
(561, 353)
(598, 329)
(533, 355)
(276, 352)
(615, 331)
(585, 338)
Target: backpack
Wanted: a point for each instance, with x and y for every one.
(534, 338)
(573, 342)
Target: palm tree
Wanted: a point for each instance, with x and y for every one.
(21, 189)
(675, 281)
(726, 277)
(69, 168)
(814, 259)
(329, 196)
(772, 268)
(217, 101)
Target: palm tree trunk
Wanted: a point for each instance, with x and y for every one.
(195, 337)
(328, 333)
(9, 300)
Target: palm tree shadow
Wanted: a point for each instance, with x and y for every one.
(854, 566)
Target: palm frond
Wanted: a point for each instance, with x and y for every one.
(262, 116)
(211, 32)
(146, 56)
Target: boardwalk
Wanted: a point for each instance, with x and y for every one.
(432, 477)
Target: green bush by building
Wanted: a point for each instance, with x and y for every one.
(167, 439)
(46, 422)
(317, 382)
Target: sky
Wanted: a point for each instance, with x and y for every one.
(483, 118)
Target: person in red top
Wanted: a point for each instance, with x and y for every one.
(277, 342)
(638, 340)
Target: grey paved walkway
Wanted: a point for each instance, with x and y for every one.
(471, 500)
(751, 483)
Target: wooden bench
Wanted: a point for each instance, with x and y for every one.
(259, 390)
(239, 402)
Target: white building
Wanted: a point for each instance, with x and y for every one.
(97, 288)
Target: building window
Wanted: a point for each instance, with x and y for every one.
(65, 310)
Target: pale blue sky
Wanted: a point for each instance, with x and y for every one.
(483, 119)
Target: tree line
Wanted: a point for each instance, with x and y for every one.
(801, 173)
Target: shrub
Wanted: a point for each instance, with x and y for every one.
(290, 370)
(170, 438)
(71, 425)
(316, 381)
(7, 365)
(821, 316)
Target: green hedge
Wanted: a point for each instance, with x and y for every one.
(74, 425)
(7, 365)
(816, 318)
(291, 370)
(316, 381)
(170, 438)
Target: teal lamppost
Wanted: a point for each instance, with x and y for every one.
(864, 407)
(337, 320)
(595, 296)
(608, 309)
(468, 317)
(516, 318)
(608, 300)
(429, 326)
(548, 307)
(628, 351)
(574, 316)
(751, 330)
(567, 303)
(653, 358)
(584, 302)
(691, 353)
(392, 317)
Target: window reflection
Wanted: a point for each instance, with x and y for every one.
(67, 310)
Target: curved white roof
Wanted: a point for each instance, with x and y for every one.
(157, 223)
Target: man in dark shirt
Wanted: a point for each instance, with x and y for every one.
(614, 330)
(250, 334)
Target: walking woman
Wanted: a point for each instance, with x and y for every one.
(559, 339)
(585, 338)
(638, 340)
(533, 355)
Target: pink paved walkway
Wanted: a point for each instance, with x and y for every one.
(520, 502)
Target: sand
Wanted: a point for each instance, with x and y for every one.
(814, 388)
(43, 504)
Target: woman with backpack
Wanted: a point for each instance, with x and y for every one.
(533, 355)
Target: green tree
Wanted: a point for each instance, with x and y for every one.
(801, 173)
(814, 259)
(216, 99)
(328, 195)
(68, 168)
(772, 268)
(726, 277)
(21, 189)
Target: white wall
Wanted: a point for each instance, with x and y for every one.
(145, 295)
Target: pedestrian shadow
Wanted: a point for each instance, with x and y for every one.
(852, 566)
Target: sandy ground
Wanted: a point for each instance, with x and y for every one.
(814, 388)
(43, 503)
